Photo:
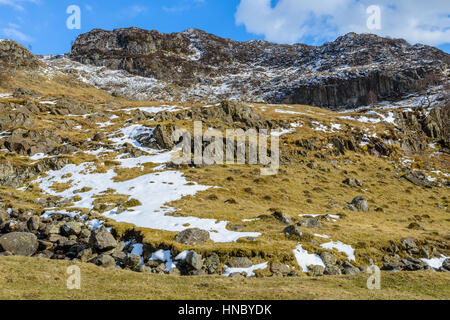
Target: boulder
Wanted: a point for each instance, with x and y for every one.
(353, 182)
(446, 264)
(4, 216)
(105, 261)
(279, 269)
(33, 223)
(71, 228)
(132, 261)
(19, 243)
(102, 240)
(328, 259)
(408, 244)
(292, 230)
(194, 260)
(212, 263)
(318, 271)
(358, 204)
(349, 269)
(240, 262)
(310, 223)
(192, 236)
(283, 217)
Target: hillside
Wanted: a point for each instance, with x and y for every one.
(87, 169)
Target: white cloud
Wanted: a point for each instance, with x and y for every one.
(290, 21)
(16, 4)
(15, 34)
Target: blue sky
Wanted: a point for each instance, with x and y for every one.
(41, 24)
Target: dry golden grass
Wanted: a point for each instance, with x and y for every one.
(46, 279)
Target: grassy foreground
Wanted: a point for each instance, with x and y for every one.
(29, 278)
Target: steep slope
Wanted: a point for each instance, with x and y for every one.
(202, 66)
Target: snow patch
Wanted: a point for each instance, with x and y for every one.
(249, 271)
(341, 247)
(305, 259)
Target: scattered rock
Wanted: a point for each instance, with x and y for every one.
(349, 269)
(415, 226)
(283, 217)
(132, 261)
(71, 228)
(33, 223)
(194, 260)
(19, 243)
(310, 223)
(358, 204)
(408, 244)
(192, 236)
(240, 262)
(292, 230)
(353, 182)
(328, 259)
(105, 261)
(102, 240)
(446, 264)
(212, 263)
(279, 269)
(318, 271)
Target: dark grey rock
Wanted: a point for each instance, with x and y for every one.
(19, 243)
(102, 240)
(194, 260)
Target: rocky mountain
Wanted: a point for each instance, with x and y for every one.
(196, 66)
(88, 175)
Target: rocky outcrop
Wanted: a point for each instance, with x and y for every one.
(13, 54)
(202, 66)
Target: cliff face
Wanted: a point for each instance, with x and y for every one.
(203, 66)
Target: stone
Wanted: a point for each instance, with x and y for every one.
(19, 243)
(212, 263)
(310, 223)
(194, 260)
(239, 262)
(318, 271)
(283, 217)
(359, 203)
(102, 240)
(292, 230)
(132, 261)
(349, 269)
(33, 223)
(71, 228)
(98, 136)
(408, 244)
(280, 269)
(446, 264)
(333, 271)
(105, 261)
(4, 216)
(419, 179)
(85, 255)
(143, 269)
(353, 182)
(192, 236)
(415, 226)
(328, 259)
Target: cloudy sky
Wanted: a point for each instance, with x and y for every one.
(42, 24)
